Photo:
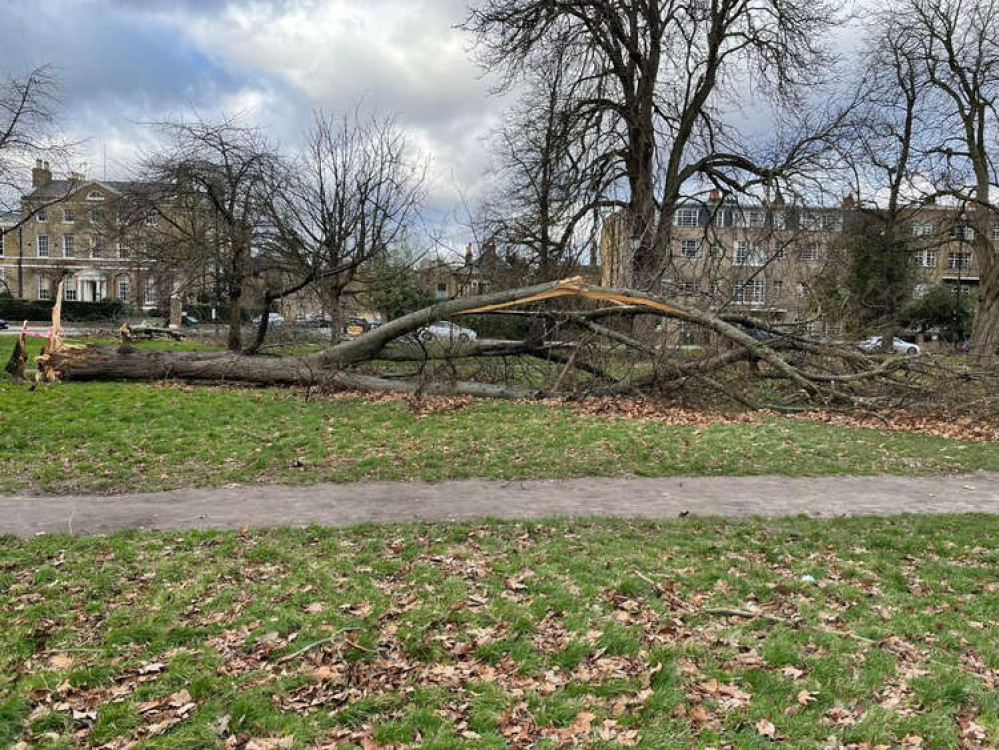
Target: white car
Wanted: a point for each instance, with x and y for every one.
(873, 344)
(446, 331)
(273, 319)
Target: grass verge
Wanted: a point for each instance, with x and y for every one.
(597, 634)
(108, 437)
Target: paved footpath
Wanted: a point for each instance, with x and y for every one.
(345, 504)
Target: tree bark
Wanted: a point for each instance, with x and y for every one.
(332, 366)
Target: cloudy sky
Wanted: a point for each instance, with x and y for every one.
(125, 62)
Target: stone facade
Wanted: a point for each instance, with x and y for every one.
(70, 229)
(766, 259)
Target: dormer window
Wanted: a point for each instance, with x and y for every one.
(95, 195)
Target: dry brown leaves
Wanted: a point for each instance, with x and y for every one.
(964, 428)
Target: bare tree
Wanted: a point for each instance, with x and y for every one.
(886, 152)
(205, 200)
(651, 80)
(29, 114)
(29, 128)
(350, 195)
(957, 42)
(552, 183)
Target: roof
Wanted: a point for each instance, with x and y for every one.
(57, 189)
(9, 218)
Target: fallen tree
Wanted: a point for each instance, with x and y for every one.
(593, 328)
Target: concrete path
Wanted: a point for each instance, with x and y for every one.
(345, 504)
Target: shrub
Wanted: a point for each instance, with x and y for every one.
(26, 309)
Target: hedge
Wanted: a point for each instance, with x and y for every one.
(31, 309)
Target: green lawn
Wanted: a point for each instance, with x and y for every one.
(114, 436)
(603, 635)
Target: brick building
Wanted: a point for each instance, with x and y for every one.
(767, 259)
(74, 229)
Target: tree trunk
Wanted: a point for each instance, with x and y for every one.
(234, 342)
(331, 367)
(985, 335)
(265, 320)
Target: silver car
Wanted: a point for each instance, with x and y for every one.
(873, 344)
(446, 331)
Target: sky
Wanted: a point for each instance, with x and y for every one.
(126, 63)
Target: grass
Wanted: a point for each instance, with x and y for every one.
(108, 437)
(603, 634)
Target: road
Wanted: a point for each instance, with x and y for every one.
(346, 504)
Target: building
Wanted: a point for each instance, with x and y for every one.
(73, 230)
(767, 259)
(489, 270)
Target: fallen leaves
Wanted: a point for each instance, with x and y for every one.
(464, 618)
(806, 698)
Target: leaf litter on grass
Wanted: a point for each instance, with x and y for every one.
(532, 635)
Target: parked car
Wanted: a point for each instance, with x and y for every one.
(273, 319)
(356, 325)
(3, 324)
(187, 320)
(873, 344)
(446, 331)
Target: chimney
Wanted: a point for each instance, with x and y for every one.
(469, 254)
(76, 177)
(41, 175)
(848, 202)
(714, 196)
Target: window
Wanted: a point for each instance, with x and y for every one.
(922, 229)
(829, 221)
(68, 246)
(958, 260)
(43, 288)
(779, 220)
(69, 291)
(995, 233)
(149, 291)
(686, 217)
(752, 292)
(95, 217)
(755, 219)
(68, 216)
(809, 220)
(152, 219)
(690, 248)
(749, 254)
(95, 248)
(95, 195)
(3, 237)
(717, 250)
(687, 288)
(780, 252)
(43, 246)
(801, 289)
(778, 287)
(123, 289)
(122, 251)
(926, 259)
(42, 216)
(441, 290)
(962, 232)
(809, 251)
